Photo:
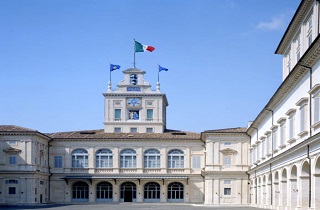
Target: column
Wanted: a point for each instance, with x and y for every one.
(115, 159)
(163, 160)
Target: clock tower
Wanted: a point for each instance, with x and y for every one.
(133, 107)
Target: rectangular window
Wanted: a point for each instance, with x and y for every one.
(12, 159)
(12, 143)
(11, 181)
(291, 127)
(149, 114)
(227, 160)
(275, 139)
(227, 191)
(133, 130)
(11, 190)
(227, 181)
(282, 133)
(263, 148)
(149, 130)
(196, 162)
(227, 143)
(298, 47)
(117, 130)
(303, 118)
(268, 144)
(117, 114)
(58, 161)
(316, 116)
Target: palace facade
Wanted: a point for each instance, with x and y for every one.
(273, 163)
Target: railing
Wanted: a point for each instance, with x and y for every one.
(175, 171)
(79, 170)
(103, 170)
(152, 170)
(127, 170)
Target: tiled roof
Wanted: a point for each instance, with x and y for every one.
(228, 130)
(100, 134)
(13, 128)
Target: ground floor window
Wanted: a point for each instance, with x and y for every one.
(104, 192)
(152, 192)
(175, 192)
(128, 192)
(80, 192)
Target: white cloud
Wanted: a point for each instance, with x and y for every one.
(276, 23)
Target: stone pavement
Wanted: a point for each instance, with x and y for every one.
(128, 206)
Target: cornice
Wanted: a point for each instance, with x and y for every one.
(294, 25)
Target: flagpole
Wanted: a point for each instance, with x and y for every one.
(158, 75)
(110, 73)
(134, 53)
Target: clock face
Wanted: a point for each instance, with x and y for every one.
(133, 102)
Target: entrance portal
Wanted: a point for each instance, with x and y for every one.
(128, 192)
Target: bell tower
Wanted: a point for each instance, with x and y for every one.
(133, 107)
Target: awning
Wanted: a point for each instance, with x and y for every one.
(115, 177)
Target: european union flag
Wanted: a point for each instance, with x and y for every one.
(114, 67)
(162, 68)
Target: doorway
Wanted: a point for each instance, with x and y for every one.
(128, 192)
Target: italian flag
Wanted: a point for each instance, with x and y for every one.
(138, 47)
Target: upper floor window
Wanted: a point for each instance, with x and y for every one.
(149, 114)
(79, 158)
(302, 103)
(175, 159)
(152, 158)
(133, 79)
(274, 137)
(104, 158)
(117, 114)
(315, 93)
(282, 131)
(227, 159)
(298, 47)
(291, 116)
(288, 61)
(12, 159)
(149, 130)
(227, 143)
(117, 130)
(128, 158)
(133, 130)
(58, 161)
(309, 29)
(196, 162)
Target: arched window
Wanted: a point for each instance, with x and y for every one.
(152, 158)
(104, 192)
(80, 192)
(104, 158)
(128, 158)
(175, 159)
(79, 158)
(152, 192)
(175, 192)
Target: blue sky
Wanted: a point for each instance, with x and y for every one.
(55, 55)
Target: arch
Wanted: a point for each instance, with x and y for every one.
(305, 169)
(152, 192)
(104, 158)
(152, 158)
(276, 177)
(128, 158)
(80, 192)
(128, 192)
(317, 166)
(284, 175)
(294, 172)
(104, 191)
(175, 158)
(175, 192)
(79, 158)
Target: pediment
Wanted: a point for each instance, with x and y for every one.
(229, 151)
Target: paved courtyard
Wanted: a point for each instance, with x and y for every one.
(128, 206)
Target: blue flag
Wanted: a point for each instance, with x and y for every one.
(162, 68)
(114, 67)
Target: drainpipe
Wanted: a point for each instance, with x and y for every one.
(271, 188)
(50, 174)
